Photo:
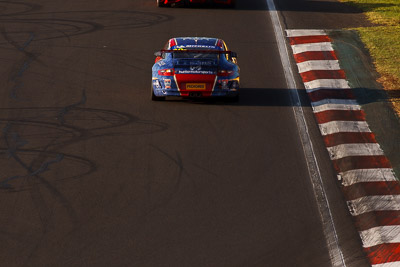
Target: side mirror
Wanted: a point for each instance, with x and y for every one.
(158, 54)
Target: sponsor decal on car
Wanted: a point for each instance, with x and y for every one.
(156, 83)
(194, 72)
(200, 46)
(195, 68)
(181, 47)
(196, 63)
(224, 84)
(195, 86)
(167, 83)
(196, 38)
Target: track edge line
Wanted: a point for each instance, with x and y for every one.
(336, 255)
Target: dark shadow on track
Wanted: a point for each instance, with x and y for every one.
(324, 6)
(368, 96)
(251, 5)
(281, 97)
(240, 5)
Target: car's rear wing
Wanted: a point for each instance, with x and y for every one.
(159, 53)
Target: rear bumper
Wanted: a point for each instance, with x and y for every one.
(168, 2)
(227, 2)
(196, 85)
(197, 94)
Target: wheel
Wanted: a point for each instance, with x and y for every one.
(160, 3)
(154, 97)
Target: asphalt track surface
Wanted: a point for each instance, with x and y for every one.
(93, 173)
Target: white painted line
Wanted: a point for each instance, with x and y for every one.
(373, 203)
(336, 255)
(327, 107)
(318, 65)
(334, 102)
(215, 81)
(298, 33)
(326, 84)
(300, 48)
(344, 126)
(349, 150)
(367, 175)
(388, 264)
(380, 235)
(176, 82)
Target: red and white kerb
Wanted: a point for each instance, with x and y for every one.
(370, 187)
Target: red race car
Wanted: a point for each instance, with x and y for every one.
(163, 3)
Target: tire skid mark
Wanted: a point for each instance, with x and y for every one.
(43, 168)
(89, 167)
(66, 133)
(80, 120)
(34, 179)
(26, 44)
(58, 28)
(44, 212)
(38, 163)
(18, 141)
(73, 23)
(64, 27)
(66, 109)
(13, 148)
(177, 160)
(7, 35)
(29, 58)
(17, 8)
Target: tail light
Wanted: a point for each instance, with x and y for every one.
(225, 72)
(166, 72)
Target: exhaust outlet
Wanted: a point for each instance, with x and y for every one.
(195, 94)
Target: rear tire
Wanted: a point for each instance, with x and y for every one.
(160, 4)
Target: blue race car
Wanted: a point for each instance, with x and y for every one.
(195, 67)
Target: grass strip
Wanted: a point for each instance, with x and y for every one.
(383, 42)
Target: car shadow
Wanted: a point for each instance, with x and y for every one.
(296, 5)
(283, 97)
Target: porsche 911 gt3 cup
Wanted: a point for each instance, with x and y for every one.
(193, 67)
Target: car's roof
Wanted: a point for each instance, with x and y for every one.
(196, 43)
